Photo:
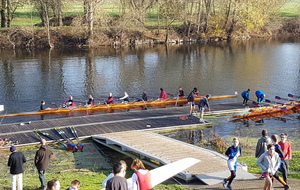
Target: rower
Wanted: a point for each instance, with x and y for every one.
(70, 102)
(110, 99)
(163, 94)
(125, 98)
(90, 102)
(42, 105)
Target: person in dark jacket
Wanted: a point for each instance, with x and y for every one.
(203, 102)
(15, 162)
(41, 161)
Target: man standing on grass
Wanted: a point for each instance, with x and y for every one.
(41, 161)
(15, 161)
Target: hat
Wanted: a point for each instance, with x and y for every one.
(13, 148)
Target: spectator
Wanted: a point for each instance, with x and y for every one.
(54, 184)
(15, 161)
(75, 185)
(41, 161)
(118, 182)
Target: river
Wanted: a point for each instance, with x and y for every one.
(219, 68)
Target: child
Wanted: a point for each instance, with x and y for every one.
(269, 162)
(233, 152)
(74, 185)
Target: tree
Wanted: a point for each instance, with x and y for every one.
(169, 11)
(3, 17)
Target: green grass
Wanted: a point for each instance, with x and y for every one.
(291, 9)
(294, 170)
(27, 15)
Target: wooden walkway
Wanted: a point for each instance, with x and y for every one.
(211, 170)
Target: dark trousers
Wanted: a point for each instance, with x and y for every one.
(232, 176)
(284, 169)
(42, 178)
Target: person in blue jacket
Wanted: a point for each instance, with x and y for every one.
(246, 97)
(233, 152)
(260, 96)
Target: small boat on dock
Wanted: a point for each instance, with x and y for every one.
(1, 107)
(268, 110)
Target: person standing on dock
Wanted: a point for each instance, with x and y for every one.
(15, 162)
(191, 100)
(41, 162)
(269, 162)
(233, 152)
(287, 152)
(202, 103)
(260, 96)
(246, 97)
(141, 179)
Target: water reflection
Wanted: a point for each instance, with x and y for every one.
(27, 77)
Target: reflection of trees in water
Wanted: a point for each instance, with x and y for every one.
(195, 136)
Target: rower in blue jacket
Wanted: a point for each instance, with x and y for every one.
(260, 96)
(246, 97)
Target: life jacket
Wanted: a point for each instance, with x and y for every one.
(144, 180)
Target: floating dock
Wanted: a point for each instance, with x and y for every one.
(151, 146)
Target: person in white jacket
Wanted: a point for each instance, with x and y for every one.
(269, 163)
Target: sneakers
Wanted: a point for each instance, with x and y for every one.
(201, 120)
(286, 187)
(224, 183)
(229, 187)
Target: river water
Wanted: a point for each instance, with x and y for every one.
(219, 68)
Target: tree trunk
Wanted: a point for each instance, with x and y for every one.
(47, 24)
(90, 20)
(8, 14)
(3, 18)
(59, 13)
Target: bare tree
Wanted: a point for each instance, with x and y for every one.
(169, 11)
(3, 17)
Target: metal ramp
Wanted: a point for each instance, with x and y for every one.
(211, 170)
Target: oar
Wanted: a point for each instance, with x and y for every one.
(269, 101)
(293, 96)
(279, 98)
(53, 103)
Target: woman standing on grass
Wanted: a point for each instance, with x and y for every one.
(141, 179)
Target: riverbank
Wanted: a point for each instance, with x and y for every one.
(77, 36)
(91, 167)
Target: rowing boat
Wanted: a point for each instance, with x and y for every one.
(118, 106)
(266, 116)
(294, 105)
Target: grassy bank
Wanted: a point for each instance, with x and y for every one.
(91, 167)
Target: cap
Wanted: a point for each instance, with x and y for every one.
(13, 148)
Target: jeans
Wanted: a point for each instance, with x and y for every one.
(42, 178)
(16, 178)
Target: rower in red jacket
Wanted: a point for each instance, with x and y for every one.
(110, 99)
(163, 94)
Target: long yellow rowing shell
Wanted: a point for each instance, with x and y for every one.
(118, 106)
